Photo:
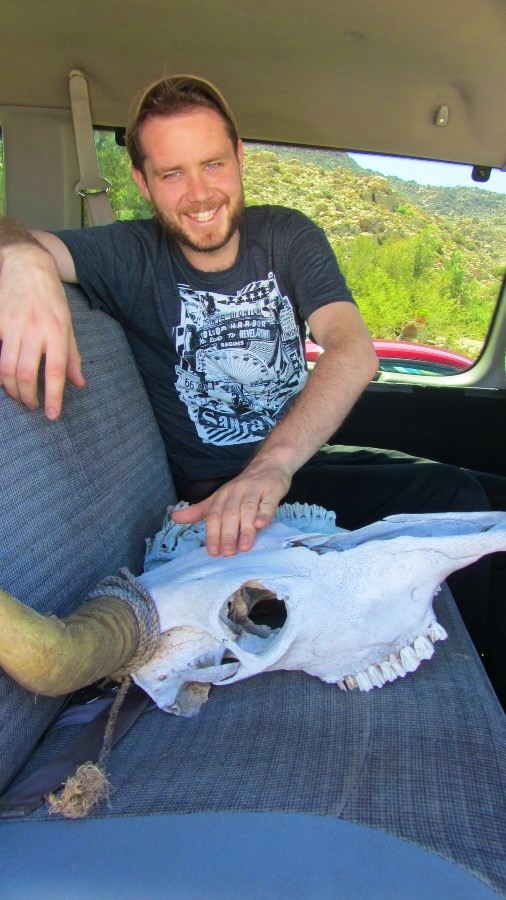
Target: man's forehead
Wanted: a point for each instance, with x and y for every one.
(171, 130)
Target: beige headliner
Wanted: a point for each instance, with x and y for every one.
(352, 74)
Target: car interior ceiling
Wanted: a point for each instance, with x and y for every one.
(358, 76)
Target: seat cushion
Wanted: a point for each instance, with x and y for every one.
(78, 498)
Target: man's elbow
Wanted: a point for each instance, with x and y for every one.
(366, 361)
(355, 355)
(371, 364)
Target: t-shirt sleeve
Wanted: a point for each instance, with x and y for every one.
(313, 270)
(108, 263)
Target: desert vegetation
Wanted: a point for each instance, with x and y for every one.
(416, 273)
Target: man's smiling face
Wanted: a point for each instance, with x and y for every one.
(192, 176)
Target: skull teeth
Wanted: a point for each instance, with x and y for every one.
(376, 676)
(423, 648)
(364, 683)
(387, 670)
(437, 632)
(396, 665)
(409, 659)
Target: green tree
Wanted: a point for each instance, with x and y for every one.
(126, 200)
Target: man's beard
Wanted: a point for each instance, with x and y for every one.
(174, 230)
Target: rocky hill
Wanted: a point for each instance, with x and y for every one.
(457, 202)
(423, 260)
(348, 200)
(439, 201)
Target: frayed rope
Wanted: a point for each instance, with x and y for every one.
(80, 793)
(85, 790)
(89, 786)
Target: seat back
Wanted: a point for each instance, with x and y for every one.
(78, 498)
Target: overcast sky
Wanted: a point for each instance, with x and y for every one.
(445, 174)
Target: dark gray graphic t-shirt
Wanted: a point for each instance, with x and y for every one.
(221, 353)
(242, 360)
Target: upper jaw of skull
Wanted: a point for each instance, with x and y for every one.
(253, 632)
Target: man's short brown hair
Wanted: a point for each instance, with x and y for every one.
(171, 96)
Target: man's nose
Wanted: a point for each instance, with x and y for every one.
(197, 186)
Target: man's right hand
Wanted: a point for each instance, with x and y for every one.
(35, 322)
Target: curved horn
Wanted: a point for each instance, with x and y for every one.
(54, 656)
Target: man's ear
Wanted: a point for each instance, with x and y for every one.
(140, 181)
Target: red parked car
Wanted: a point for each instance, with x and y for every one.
(408, 359)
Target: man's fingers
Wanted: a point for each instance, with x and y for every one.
(9, 366)
(266, 511)
(19, 367)
(35, 323)
(222, 517)
(194, 513)
(28, 368)
(21, 358)
(55, 374)
(74, 369)
(248, 527)
(237, 526)
(62, 360)
(215, 523)
(232, 521)
(235, 512)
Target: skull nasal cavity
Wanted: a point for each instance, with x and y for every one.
(268, 610)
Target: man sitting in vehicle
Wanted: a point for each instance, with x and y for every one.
(214, 299)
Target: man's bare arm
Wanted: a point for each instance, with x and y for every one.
(237, 510)
(34, 316)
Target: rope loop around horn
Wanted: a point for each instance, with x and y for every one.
(125, 587)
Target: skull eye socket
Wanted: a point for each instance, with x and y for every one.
(254, 610)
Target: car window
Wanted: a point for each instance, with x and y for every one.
(425, 263)
(114, 164)
(411, 367)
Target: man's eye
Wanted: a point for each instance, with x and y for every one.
(213, 165)
(171, 176)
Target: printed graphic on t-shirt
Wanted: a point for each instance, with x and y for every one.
(242, 360)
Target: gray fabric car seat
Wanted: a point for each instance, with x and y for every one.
(82, 492)
(422, 759)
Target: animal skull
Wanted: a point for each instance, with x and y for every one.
(353, 608)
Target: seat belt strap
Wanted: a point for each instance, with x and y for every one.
(91, 186)
(28, 793)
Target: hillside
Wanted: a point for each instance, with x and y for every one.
(464, 202)
(421, 260)
(459, 202)
(348, 200)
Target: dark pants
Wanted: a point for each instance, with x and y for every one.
(495, 647)
(363, 485)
